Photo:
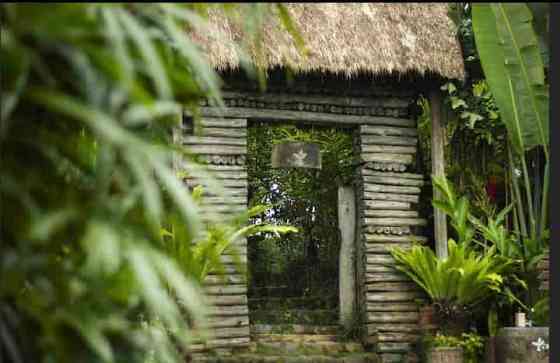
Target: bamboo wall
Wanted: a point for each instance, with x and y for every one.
(385, 145)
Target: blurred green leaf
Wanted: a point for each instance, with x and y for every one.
(93, 94)
(147, 50)
(51, 222)
(102, 247)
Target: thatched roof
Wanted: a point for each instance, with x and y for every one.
(349, 39)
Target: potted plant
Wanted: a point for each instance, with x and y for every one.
(455, 284)
(444, 349)
(467, 348)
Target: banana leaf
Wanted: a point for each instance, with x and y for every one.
(541, 15)
(513, 66)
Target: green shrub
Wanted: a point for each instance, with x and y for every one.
(472, 344)
(540, 315)
(488, 235)
(462, 280)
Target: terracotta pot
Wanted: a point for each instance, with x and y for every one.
(445, 355)
(426, 318)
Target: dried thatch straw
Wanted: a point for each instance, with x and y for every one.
(349, 38)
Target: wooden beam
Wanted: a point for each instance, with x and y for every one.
(391, 328)
(366, 170)
(400, 230)
(392, 189)
(305, 117)
(392, 180)
(390, 149)
(381, 238)
(381, 221)
(410, 198)
(438, 169)
(288, 98)
(382, 213)
(388, 140)
(216, 149)
(386, 158)
(388, 131)
(240, 123)
(213, 140)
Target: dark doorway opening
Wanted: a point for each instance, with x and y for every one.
(293, 279)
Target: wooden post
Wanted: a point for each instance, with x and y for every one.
(347, 263)
(438, 169)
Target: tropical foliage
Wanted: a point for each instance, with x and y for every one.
(474, 123)
(475, 139)
(462, 280)
(497, 146)
(201, 256)
(511, 42)
(481, 155)
(90, 94)
(488, 263)
(487, 233)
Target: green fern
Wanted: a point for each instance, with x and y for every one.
(464, 278)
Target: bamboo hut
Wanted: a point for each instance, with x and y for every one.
(365, 67)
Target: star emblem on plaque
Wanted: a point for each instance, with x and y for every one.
(296, 155)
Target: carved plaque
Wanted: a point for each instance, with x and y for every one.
(296, 155)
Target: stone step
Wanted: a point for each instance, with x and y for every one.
(309, 358)
(307, 347)
(294, 337)
(298, 316)
(397, 358)
(293, 329)
(296, 303)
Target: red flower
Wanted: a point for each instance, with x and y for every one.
(492, 188)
